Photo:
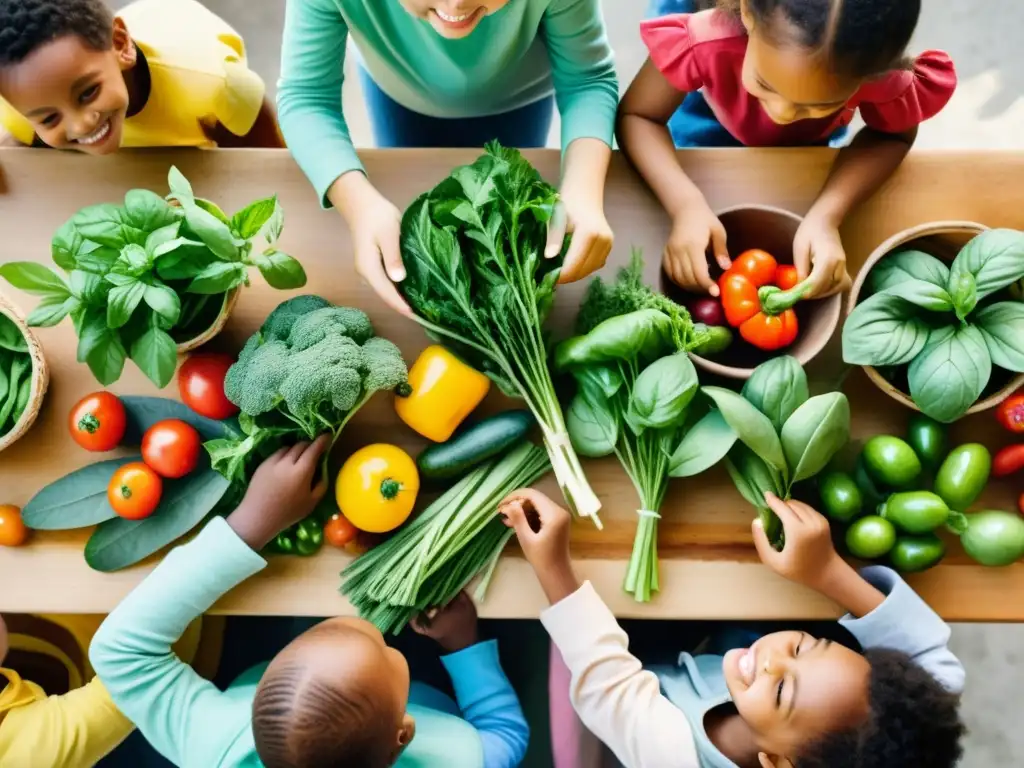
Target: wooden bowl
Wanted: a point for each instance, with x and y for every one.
(40, 376)
(942, 239)
(773, 230)
(228, 305)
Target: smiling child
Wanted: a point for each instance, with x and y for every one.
(159, 74)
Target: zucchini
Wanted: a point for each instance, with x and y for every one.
(474, 445)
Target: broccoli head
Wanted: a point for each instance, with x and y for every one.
(344, 322)
(279, 322)
(253, 382)
(385, 369)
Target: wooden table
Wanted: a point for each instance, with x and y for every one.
(708, 565)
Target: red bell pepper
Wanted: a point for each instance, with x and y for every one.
(1011, 413)
(758, 297)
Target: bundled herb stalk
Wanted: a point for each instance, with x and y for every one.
(636, 384)
(479, 283)
(431, 559)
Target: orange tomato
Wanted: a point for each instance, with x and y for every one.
(97, 422)
(13, 532)
(339, 532)
(134, 491)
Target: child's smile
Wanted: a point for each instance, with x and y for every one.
(453, 19)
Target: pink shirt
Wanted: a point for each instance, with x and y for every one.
(705, 51)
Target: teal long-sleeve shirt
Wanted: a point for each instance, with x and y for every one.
(195, 725)
(526, 51)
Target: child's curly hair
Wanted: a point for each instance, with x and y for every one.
(860, 38)
(26, 25)
(914, 721)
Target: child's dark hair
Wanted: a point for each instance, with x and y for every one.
(302, 723)
(861, 38)
(26, 25)
(914, 721)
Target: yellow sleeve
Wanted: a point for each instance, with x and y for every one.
(72, 731)
(15, 125)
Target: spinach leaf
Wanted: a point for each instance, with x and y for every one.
(280, 270)
(76, 500)
(20, 367)
(122, 301)
(964, 292)
(51, 310)
(250, 220)
(814, 433)
(119, 543)
(752, 427)
(883, 330)
(995, 259)
(144, 412)
(1002, 327)
(662, 392)
(34, 278)
(592, 426)
(777, 388)
(156, 355)
(950, 373)
(164, 301)
(706, 444)
(759, 477)
(924, 294)
(901, 267)
(11, 337)
(218, 277)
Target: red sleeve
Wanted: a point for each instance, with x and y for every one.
(905, 99)
(670, 45)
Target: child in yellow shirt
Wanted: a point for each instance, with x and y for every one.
(159, 74)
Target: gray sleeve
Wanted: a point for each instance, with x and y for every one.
(904, 622)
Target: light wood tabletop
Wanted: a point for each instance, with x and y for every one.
(708, 565)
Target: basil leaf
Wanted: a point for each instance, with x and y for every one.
(119, 543)
(180, 188)
(102, 224)
(34, 278)
(950, 373)
(144, 213)
(995, 259)
(248, 222)
(662, 392)
(214, 233)
(964, 292)
(106, 356)
(592, 426)
(76, 500)
(706, 444)
(88, 287)
(144, 412)
(815, 433)
(273, 227)
(116, 278)
(751, 426)
(156, 354)
(165, 249)
(164, 301)
(218, 277)
(122, 302)
(134, 259)
(159, 238)
(184, 262)
(777, 388)
(641, 335)
(213, 209)
(924, 294)
(51, 310)
(1002, 327)
(98, 259)
(602, 381)
(92, 331)
(904, 266)
(280, 270)
(883, 330)
(65, 246)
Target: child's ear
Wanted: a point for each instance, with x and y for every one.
(124, 48)
(773, 761)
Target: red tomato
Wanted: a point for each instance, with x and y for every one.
(13, 532)
(97, 422)
(201, 385)
(1008, 461)
(1011, 413)
(786, 277)
(339, 531)
(171, 448)
(134, 491)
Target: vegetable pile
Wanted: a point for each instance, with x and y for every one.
(479, 283)
(147, 275)
(758, 296)
(636, 383)
(15, 374)
(433, 558)
(946, 327)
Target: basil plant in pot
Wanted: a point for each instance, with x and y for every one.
(144, 278)
(947, 327)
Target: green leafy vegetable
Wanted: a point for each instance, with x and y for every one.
(777, 388)
(884, 330)
(1002, 326)
(995, 259)
(951, 373)
(478, 281)
(905, 266)
(752, 427)
(15, 374)
(815, 433)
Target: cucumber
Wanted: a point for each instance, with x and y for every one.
(474, 445)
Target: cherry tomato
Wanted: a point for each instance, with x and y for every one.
(171, 448)
(13, 532)
(1011, 414)
(339, 531)
(201, 385)
(134, 491)
(1008, 461)
(97, 422)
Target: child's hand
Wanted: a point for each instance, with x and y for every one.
(694, 230)
(581, 216)
(453, 627)
(818, 252)
(281, 493)
(542, 528)
(808, 555)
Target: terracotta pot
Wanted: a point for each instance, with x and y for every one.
(230, 299)
(40, 376)
(942, 239)
(773, 230)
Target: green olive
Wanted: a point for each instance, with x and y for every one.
(913, 554)
(841, 499)
(915, 511)
(964, 475)
(928, 439)
(870, 537)
(891, 461)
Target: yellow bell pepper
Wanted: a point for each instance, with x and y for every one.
(444, 392)
(376, 488)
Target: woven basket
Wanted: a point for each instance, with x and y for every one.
(230, 299)
(40, 376)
